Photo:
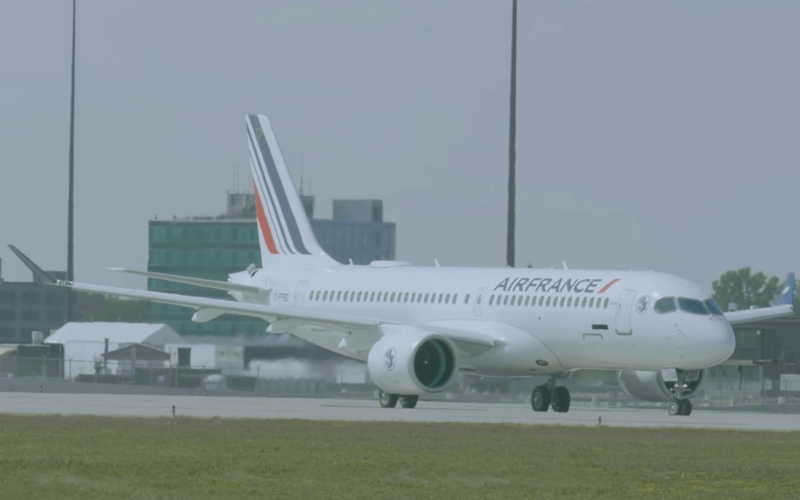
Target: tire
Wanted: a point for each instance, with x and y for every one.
(540, 398)
(674, 407)
(408, 401)
(561, 400)
(686, 407)
(387, 400)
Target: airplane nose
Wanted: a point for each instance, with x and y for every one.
(714, 345)
(719, 343)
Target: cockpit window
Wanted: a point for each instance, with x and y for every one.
(692, 306)
(715, 309)
(665, 305)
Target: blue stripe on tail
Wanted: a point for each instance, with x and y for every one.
(277, 185)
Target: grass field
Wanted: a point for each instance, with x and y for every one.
(183, 458)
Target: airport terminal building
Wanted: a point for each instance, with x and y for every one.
(214, 247)
(29, 306)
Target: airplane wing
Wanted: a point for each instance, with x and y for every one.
(358, 333)
(783, 308)
(219, 285)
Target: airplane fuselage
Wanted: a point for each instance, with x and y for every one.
(544, 320)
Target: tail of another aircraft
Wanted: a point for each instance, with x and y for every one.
(285, 233)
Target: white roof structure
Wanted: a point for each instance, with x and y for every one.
(116, 333)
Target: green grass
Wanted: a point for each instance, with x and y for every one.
(183, 458)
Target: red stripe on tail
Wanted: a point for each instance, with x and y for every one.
(608, 285)
(263, 223)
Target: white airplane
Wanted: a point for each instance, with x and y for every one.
(419, 327)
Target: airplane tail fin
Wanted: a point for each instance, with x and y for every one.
(284, 230)
(787, 294)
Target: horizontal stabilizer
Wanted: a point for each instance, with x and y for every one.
(219, 285)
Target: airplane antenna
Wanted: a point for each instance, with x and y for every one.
(436, 261)
(565, 264)
(351, 262)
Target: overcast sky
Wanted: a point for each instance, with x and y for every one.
(651, 135)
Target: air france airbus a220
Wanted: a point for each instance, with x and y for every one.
(419, 327)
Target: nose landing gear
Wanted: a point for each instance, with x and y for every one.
(679, 407)
(547, 395)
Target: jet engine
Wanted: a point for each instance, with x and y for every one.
(651, 386)
(412, 363)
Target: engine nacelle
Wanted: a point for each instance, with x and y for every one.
(413, 362)
(650, 386)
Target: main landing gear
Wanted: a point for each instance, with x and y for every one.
(547, 395)
(390, 400)
(680, 407)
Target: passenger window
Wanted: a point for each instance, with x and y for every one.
(339, 296)
(577, 301)
(562, 301)
(419, 298)
(405, 297)
(447, 299)
(598, 303)
(392, 298)
(605, 303)
(692, 306)
(413, 296)
(583, 302)
(455, 297)
(372, 297)
(715, 309)
(527, 299)
(426, 297)
(541, 301)
(569, 302)
(665, 305)
(466, 299)
(591, 302)
(359, 297)
(479, 300)
(548, 302)
(491, 300)
(325, 296)
(505, 300)
(513, 298)
(441, 296)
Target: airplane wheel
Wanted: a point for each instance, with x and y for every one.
(388, 400)
(685, 407)
(540, 398)
(561, 400)
(674, 407)
(408, 401)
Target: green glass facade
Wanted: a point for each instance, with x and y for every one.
(214, 247)
(202, 248)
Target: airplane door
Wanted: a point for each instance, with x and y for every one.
(478, 307)
(299, 294)
(624, 307)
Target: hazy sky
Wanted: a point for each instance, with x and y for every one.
(651, 135)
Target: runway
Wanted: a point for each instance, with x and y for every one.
(368, 410)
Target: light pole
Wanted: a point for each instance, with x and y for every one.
(512, 137)
(70, 208)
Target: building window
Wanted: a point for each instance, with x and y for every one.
(55, 316)
(31, 298)
(8, 297)
(8, 315)
(30, 315)
(746, 338)
(466, 299)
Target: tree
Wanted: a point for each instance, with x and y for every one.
(746, 289)
(97, 307)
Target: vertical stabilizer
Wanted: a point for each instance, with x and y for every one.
(284, 230)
